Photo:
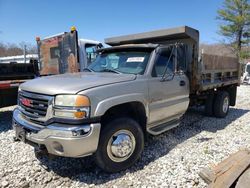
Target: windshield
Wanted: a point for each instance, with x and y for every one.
(128, 62)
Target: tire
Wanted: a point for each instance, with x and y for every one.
(209, 104)
(222, 99)
(117, 130)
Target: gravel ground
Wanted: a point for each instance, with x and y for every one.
(172, 159)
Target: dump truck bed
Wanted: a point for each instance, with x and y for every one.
(216, 71)
(211, 71)
(18, 71)
(11, 76)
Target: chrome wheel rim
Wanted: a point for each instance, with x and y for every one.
(121, 145)
(225, 105)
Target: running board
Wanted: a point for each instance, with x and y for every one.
(164, 127)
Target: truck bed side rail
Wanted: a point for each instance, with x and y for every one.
(217, 71)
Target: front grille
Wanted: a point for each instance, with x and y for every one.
(33, 106)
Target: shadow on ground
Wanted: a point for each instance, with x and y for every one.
(84, 170)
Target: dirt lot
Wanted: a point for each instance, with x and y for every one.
(172, 159)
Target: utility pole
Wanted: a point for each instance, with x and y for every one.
(24, 52)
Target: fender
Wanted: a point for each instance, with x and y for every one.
(108, 103)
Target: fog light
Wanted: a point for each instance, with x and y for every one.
(57, 147)
(80, 131)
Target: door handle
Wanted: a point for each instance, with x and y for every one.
(182, 83)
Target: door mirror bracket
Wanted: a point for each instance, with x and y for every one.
(167, 77)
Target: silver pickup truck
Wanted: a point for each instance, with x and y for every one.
(142, 84)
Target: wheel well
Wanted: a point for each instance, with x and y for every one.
(202, 97)
(232, 91)
(134, 110)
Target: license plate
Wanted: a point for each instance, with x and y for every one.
(20, 133)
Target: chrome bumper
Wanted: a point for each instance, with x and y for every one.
(59, 139)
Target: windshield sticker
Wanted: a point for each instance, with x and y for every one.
(135, 59)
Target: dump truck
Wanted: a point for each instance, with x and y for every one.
(57, 54)
(142, 84)
(65, 53)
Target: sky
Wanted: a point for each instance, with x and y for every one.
(23, 20)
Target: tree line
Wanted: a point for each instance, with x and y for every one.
(11, 49)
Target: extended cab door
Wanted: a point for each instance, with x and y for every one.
(168, 88)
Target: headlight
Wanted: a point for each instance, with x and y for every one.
(72, 106)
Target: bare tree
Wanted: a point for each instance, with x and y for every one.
(16, 49)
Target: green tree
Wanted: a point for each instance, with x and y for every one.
(235, 26)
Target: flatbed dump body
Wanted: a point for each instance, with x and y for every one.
(11, 76)
(18, 71)
(205, 73)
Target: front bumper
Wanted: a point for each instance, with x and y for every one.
(58, 138)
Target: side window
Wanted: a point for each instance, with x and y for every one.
(165, 59)
(182, 58)
(90, 52)
(54, 52)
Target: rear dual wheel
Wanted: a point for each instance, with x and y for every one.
(221, 104)
(217, 105)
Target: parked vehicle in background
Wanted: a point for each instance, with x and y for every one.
(12, 75)
(246, 74)
(19, 59)
(141, 85)
(64, 53)
(58, 54)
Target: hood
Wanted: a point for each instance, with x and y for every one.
(73, 83)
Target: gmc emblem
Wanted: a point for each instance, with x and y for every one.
(26, 102)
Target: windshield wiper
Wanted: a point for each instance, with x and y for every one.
(88, 69)
(110, 70)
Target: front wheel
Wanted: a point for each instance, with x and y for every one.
(120, 146)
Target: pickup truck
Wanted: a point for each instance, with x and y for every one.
(142, 84)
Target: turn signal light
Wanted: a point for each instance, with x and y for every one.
(80, 114)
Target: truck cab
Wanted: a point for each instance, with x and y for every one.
(65, 53)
